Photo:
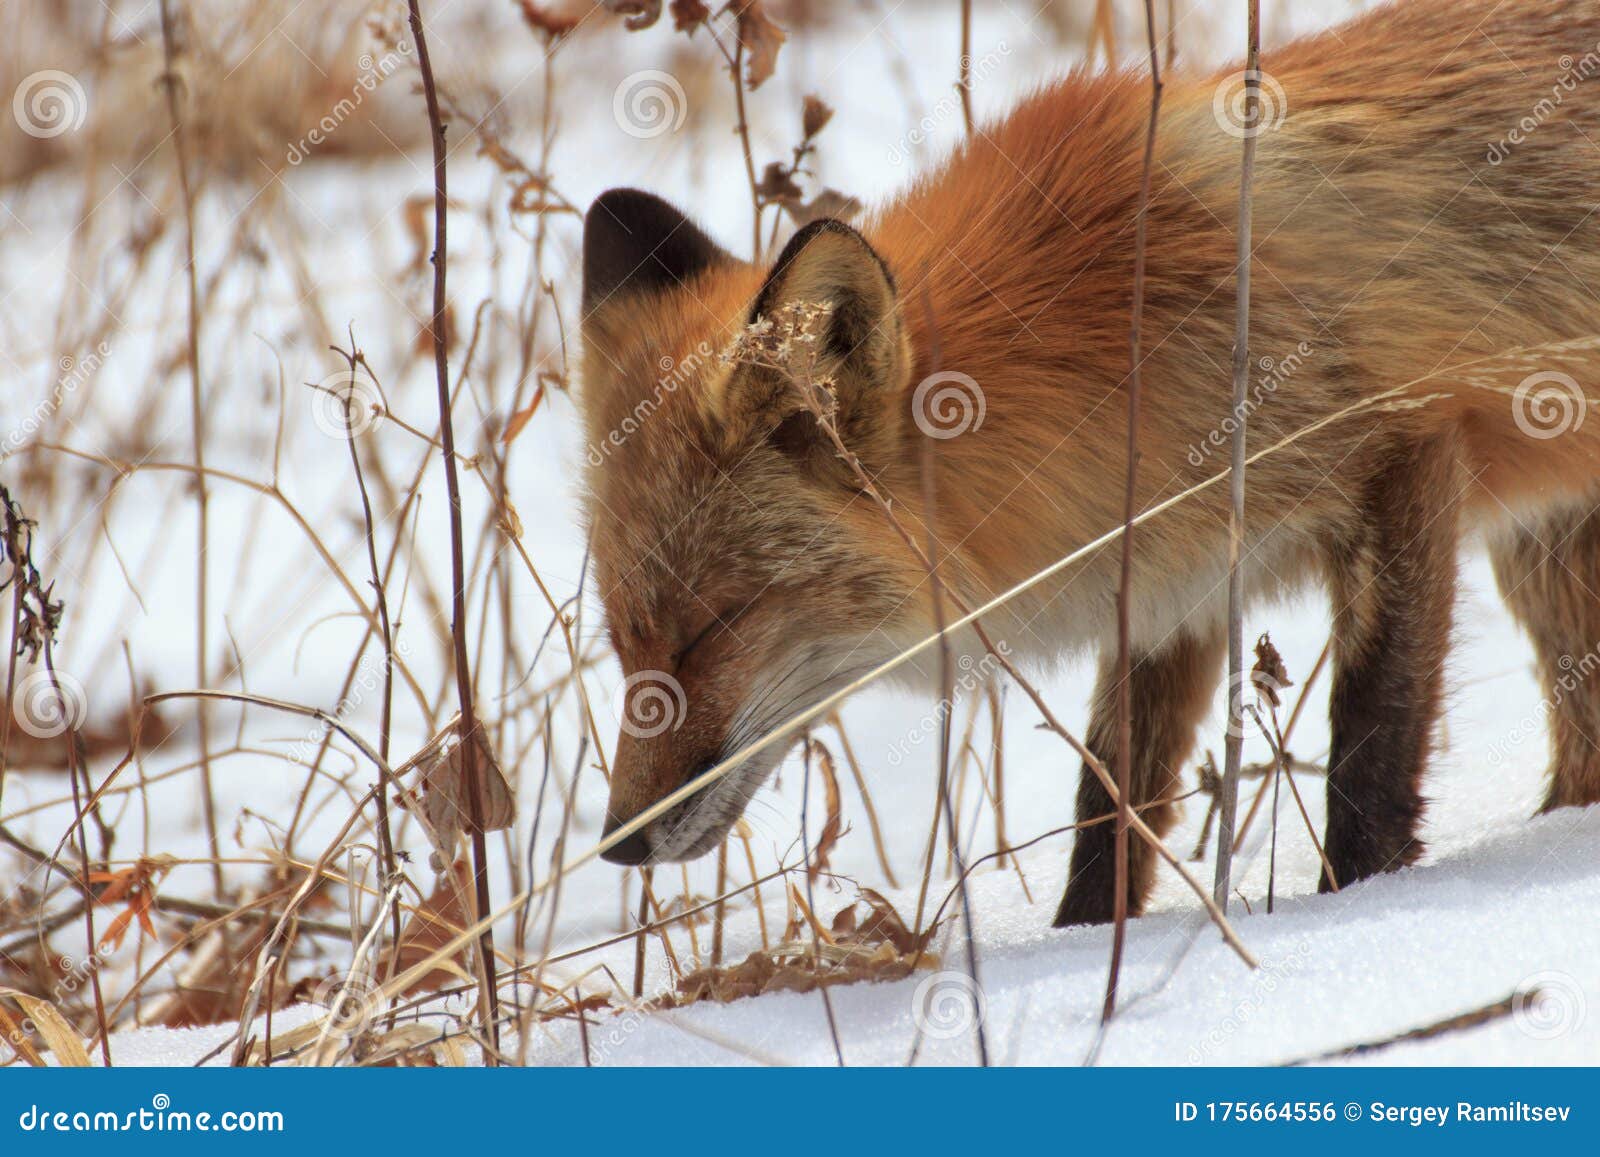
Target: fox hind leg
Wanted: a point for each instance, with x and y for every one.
(1392, 577)
(1548, 571)
(1171, 689)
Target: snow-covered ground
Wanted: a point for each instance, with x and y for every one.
(1501, 902)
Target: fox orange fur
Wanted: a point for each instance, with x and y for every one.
(1425, 274)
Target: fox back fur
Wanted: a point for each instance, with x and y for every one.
(1424, 327)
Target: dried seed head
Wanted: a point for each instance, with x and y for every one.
(815, 113)
(1269, 676)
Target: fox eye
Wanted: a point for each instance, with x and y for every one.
(699, 637)
(712, 624)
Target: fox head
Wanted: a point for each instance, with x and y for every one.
(744, 577)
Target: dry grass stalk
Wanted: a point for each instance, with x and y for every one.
(1233, 743)
(1124, 596)
(458, 609)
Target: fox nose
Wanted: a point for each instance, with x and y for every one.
(632, 849)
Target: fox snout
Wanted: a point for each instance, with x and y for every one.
(666, 740)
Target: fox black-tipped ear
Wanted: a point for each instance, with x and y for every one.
(829, 262)
(864, 348)
(635, 240)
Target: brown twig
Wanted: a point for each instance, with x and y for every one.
(458, 604)
(930, 499)
(197, 424)
(1233, 745)
(1288, 733)
(385, 832)
(1474, 1018)
(964, 73)
(1124, 656)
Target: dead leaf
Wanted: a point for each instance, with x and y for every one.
(777, 183)
(17, 1039)
(879, 948)
(440, 797)
(687, 15)
(554, 25)
(833, 826)
(447, 326)
(53, 1028)
(416, 213)
(637, 14)
(762, 38)
(522, 417)
(435, 923)
(134, 886)
(815, 113)
(828, 204)
(1269, 676)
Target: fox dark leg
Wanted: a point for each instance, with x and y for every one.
(1549, 573)
(1171, 690)
(1393, 583)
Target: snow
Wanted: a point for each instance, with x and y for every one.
(1501, 902)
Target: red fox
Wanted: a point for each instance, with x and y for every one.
(1424, 198)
